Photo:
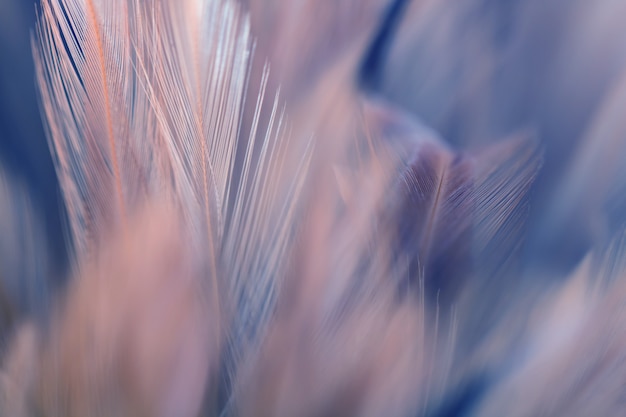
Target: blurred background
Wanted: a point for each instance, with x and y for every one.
(24, 151)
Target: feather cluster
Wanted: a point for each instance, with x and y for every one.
(257, 235)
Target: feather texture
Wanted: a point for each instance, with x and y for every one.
(234, 255)
(460, 214)
(171, 120)
(146, 100)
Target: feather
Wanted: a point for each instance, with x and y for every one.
(474, 73)
(590, 191)
(130, 337)
(84, 67)
(458, 212)
(146, 101)
(567, 345)
(281, 250)
(235, 255)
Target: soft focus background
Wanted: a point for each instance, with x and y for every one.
(24, 151)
